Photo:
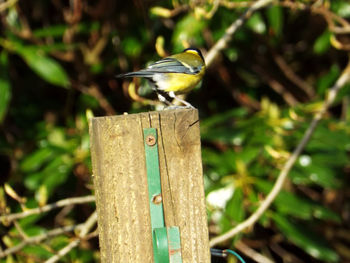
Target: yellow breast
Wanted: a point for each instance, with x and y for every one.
(179, 82)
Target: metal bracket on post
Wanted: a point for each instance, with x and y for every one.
(166, 240)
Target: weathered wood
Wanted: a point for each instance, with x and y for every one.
(120, 180)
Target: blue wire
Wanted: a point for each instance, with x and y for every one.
(235, 254)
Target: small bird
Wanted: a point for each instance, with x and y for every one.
(176, 74)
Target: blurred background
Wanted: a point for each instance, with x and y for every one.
(58, 61)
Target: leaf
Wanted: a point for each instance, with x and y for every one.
(217, 119)
(290, 204)
(234, 212)
(52, 175)
(322, 43)
(306, 239)
(161, 11)
(56, 172)
(132, 46)
(11, 192)
(341, 8)
(41, 195)
(51, 31)
(38, 251)
(46, 67)
(256, 23)
(316, 174)
(275, 18)
(188, 30)
(36, 159)
(213, 128)
(231, 53)
(5, 86)
(223, 162)
(29, 221)
(234, 207)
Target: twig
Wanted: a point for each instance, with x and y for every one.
(20, 230)
(83, 231)
(276, 86)
(292, 76)
(226, 38)
(94, 91)
(8, 4)
(232, 5)
(38, 239)
(286, 255)
(328, 15)
(49, 207)
(342, 80)
(246, 250)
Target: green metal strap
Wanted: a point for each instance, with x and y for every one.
(166, 240)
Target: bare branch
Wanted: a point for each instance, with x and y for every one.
(38, 239)
(49, 207)
(227, 37)
(342, 80)
(246, 250)
(83, 231)
(6, 5)
(292, 76)
(331, 18)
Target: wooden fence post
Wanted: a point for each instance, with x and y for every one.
(120, 179)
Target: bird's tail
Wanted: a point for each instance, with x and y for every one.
(140, 74)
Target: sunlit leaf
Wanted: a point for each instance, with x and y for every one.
(11, 192)
(41, 195)
(341, 7)
(161, 11)
(256, 23)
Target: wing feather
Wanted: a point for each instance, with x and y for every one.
(165, 65)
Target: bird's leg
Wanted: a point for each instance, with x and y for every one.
(163, 99)
(172, 95)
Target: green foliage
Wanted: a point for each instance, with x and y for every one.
(275, 18)
(188, 29)
(5, 86)
(256, 157)
(308, 240)
(322, 43)
(46, 67)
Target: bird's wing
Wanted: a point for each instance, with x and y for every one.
(165, 65)
(171, 65)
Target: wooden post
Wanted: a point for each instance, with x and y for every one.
(120, 179)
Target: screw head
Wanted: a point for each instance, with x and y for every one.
(157, 199)
(150, 140)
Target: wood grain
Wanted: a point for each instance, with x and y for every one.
(120, 180)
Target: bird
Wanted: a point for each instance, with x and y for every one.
(174, 75)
